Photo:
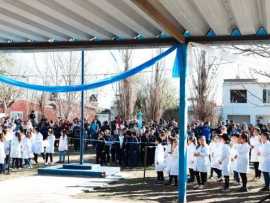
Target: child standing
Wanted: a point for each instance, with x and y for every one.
(16, 151)
(174, 162)
(225, 160)
(254, 144)
(202, 162)
(215, 151)
(234, 146)
(7, 135)
(2, 154)
(159, 159)
(63, 146)
(27, 149)
(191, 149)
(50, 149)
(37, 144)
(242, 160)
(264, 154)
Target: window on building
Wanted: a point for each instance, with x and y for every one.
(238, 96)
(266, 96)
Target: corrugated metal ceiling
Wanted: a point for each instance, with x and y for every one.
(82, 20)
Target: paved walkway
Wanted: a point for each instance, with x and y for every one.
(44, 189)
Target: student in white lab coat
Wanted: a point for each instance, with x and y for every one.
(202, 162)
(215, 152)
(225, 160)
(191, 160)
(254, 142)
(167, 155)
(63, 146)
(37, 145)
(173, 162)
(27, 153)
(7, 142)
(234, 146)
(50, 149)
(16, 150)
(2, 154)
(159, 159)
(264, 154)
(242, 160)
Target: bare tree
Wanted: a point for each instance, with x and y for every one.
(65, 71)
(156, 94)
(203, 84)
(261, 50)
(125, 89)
(62, 68)
(8, 94)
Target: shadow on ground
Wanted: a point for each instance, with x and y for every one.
(138, 189)
(213, 193)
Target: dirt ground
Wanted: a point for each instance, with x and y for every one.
(132, 188)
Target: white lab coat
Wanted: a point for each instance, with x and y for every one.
(51, 140)
(38, 143)
(191, 159)
(255, 142)
(27, 152)
(63, 143)
(242, 160)
(225, 159)
(159, 158)
(264, 150)
(233, 154)
(45, 145)
(173, 163)
(168, 157)
(215, 153)
(2, 153)
(7, 144)
(202, 161)
(16, 148)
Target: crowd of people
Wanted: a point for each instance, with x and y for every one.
(20, 148)
(232, 149)
(227, 150)
(121, 143)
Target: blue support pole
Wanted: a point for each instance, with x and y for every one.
(82, 111)
(182, 65)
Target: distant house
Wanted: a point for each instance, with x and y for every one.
(246, 100)
(22, 109)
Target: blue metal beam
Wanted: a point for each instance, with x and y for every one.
(82, 111)
(182, 63)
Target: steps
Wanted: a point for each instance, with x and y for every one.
(77, 170)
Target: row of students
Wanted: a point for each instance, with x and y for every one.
(19, 148)
(228, 156)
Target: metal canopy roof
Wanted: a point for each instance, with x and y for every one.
(29, 24)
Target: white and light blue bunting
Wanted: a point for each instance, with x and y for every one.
(181, 51)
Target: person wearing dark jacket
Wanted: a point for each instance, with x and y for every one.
(133, 150)
(100, 149)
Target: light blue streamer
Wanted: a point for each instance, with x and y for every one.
(100, 83)
(179, 63)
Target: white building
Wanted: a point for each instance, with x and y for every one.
(246, 100)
